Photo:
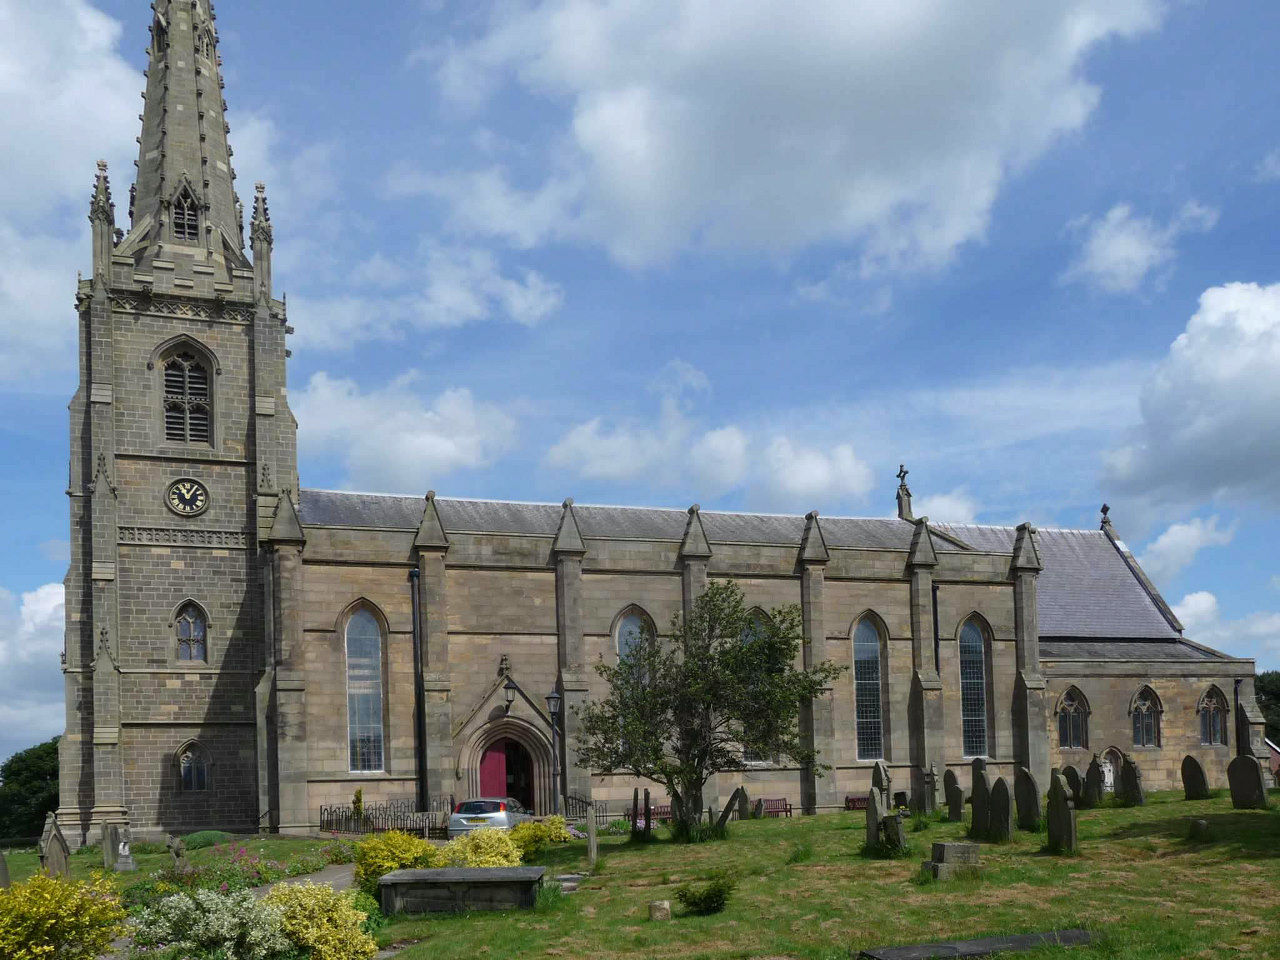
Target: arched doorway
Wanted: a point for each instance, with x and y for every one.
(1111, 762)
(506, 770)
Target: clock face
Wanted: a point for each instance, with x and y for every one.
(187, 498)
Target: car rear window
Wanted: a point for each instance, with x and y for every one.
(479, 806)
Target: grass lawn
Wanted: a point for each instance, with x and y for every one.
(804, 892)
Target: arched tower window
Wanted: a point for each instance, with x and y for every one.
(364, 643)
(632, 627)
(868, 672)
(1073, 721)
(186, 217)
(1146, 718)
(193, 768)
(187, 400)
(191, 629)
(1213, 718)
(973, 688)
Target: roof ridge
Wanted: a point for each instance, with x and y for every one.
(1011, 528)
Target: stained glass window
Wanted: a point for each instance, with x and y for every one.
(973, 689)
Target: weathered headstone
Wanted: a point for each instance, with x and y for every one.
(1248, 792)
(1195, 785)
(110, 846)
(635, 811)
(757, 809)
(1063, 837)
(660, 910)
(1074, 783)
(728, 810)
(876, 812)
(893, 836)
(1093, 785)
(1000, 827)
(929, 802)
(882, 781)
(980, 800)
(950, 859)
(744, 804)
(4, 872)
(178, 851)
(955, 796)
(1130, 787)
(648, 815)
(1026, 793)
(593, 839)
(124, 853)
(55, 855)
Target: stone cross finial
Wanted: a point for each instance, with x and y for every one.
(1106, 515)
(903, 473)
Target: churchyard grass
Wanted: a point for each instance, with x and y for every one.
(1142, 887)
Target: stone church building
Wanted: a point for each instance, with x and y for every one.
(241, 651)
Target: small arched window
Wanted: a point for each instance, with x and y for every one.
(364, 691)
(186, 398)
(973, 688)
(868, 671)
(1213, 718)
(192, 633)
(193, 769)
(1073, 721)
(186, 217)
(1146, 719)
(633, 626)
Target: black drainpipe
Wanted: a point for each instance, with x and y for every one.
(937, 635)
(419, 708)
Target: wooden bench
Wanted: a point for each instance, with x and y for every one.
(777, 808)
(661, 813)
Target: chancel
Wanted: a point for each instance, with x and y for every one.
(241, 651)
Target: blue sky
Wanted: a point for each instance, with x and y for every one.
(750, 256)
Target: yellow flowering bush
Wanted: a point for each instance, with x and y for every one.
(487, 847)
(533, 836)
(322, 923)
(381, 853)
(52, 918)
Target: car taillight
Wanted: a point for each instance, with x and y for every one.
(502, 808)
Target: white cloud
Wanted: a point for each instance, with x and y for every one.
(31, 688)
(1173, 551)
(1256, 635)
(1269, 167)
(392, 438)
(892, 126)
(800, 473)
(1122, 249)
(1209, 426)
(954, 507)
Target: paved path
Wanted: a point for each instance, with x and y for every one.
(340, 876)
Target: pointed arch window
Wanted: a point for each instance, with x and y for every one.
(1213, 718)
(1146, 719)
(973, 688)
(868, 673)
(187, 399)
(186, 217)
(1073, 721)
(192, 629)
(757, 628)
(632, 627)
(193, 769)
(364, 646)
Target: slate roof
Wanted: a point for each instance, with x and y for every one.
(1071, 648)
(1086, 590)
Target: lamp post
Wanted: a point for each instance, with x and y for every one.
(509, 688)
(553, 709)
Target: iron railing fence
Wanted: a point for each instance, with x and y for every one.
(387, 815)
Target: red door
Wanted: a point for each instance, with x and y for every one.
(493, 770)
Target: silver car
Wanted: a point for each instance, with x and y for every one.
(501, 813)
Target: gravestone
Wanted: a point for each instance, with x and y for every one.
(648, 815)
(1000, 827)
(893, 836)
(1026, 793)
(1130, 787)
(110, 846)
(178, 851)
(635, 812)
(1247, 789)
(744, 804)
(882, 781)
(55, 855)
(757, 811)
(117, 848)
(1195, 786)
(951, 859)
(4, 872)
(728, 810)
(660, 910)
(929, 802)
(1074, 783)
(593, 839)
(876, 812)
(980, 800)
(1063, 837)
(1093, 785)
(954, 795)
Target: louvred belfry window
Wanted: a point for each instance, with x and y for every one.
(186, 399)
(186, 218)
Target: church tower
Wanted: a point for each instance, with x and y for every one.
(182, 446)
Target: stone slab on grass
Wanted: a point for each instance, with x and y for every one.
(458, 889)
(985, 947)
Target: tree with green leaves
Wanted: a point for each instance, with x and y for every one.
(1267, 691)
(28, 790)
(724, 685)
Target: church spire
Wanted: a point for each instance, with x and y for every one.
(185, 199)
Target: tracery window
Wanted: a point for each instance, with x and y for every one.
(1073, 721)
(632, 627)
(364, 692)
(973, 688)
(1213, 718)
(868, 670)
(186, 217)
(193, 769)
(186, 399)
(192, 632)
(1146, 719)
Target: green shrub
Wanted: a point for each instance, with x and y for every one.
(486, 847)
(321, 922)
(339, 851)
(306, 863)
(617, 828)
(534, 836)
(801, 854)
(206, 838)
(381, 853)
(374, 918)
(204, 924)
(706, 898)
(52, 918)
(699, 832)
